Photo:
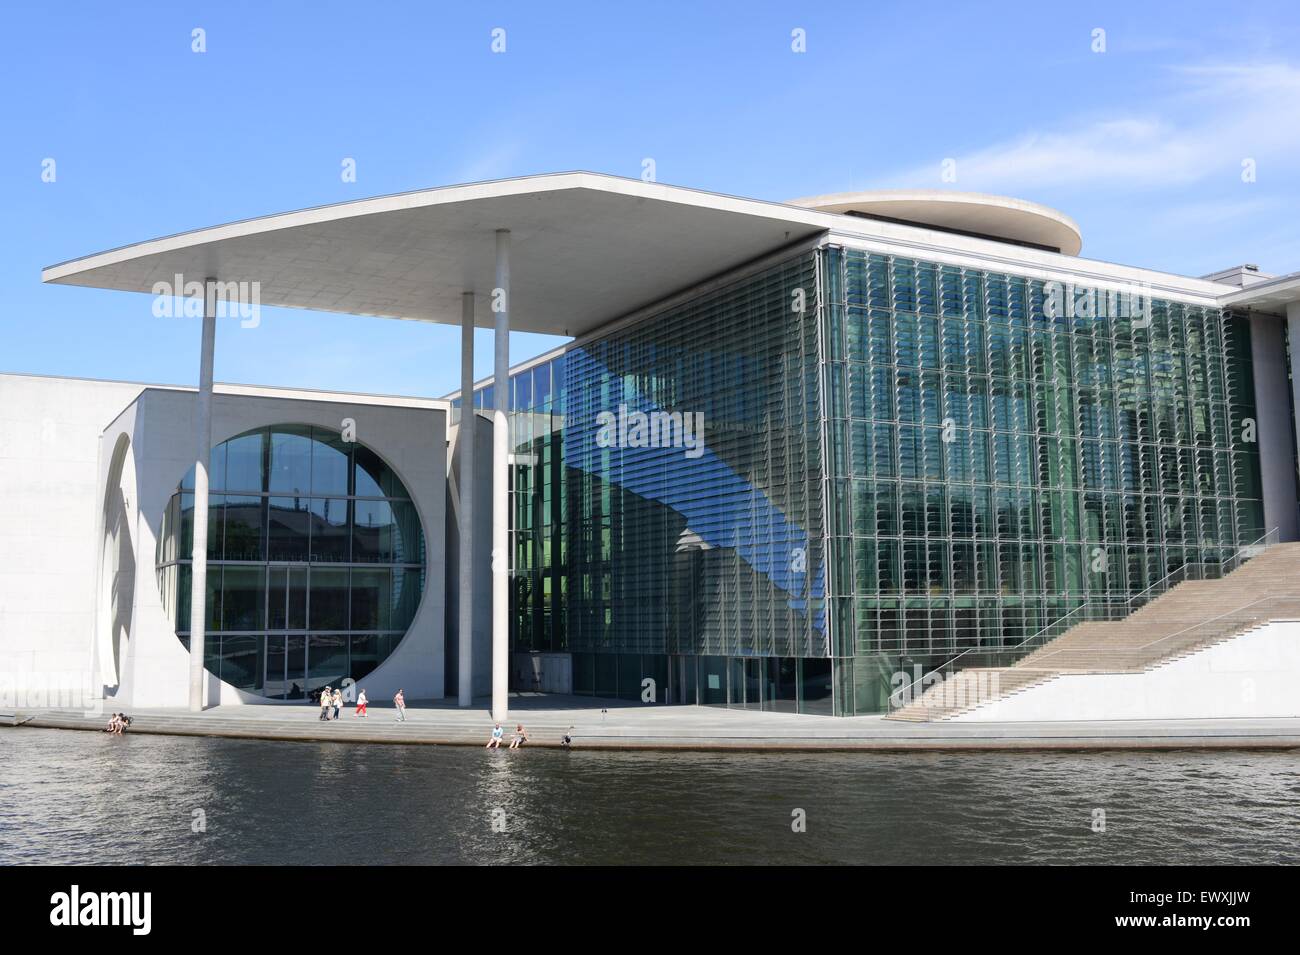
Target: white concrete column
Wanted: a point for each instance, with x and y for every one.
(465, 440)
(501, 483)
(1277, 471)
(202, 458)
(1293, 334)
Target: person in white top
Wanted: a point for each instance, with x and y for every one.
(361, 703)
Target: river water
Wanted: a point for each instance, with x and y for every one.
(77, 797)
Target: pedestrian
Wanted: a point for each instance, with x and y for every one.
(399, 701)
(326, 701)
(519, 738)
(495, 741)
(361, 703)
(338, 702)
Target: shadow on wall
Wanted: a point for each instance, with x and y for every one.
(118, 568)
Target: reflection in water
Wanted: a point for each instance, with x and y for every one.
(87, 798)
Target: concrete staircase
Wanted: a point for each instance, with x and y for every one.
(1187, 618)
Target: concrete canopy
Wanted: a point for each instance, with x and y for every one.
(585, 248)
(1274, 295)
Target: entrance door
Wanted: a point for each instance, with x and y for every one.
(286, 610)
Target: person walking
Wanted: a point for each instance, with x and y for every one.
(326, 701)
(399, 701)
(361, 703)
(338, 702)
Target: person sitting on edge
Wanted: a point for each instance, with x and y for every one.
(519, 738)
(495, 741)
(111, 728)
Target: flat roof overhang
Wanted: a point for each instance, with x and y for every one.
(584, 248)
(1273, 295)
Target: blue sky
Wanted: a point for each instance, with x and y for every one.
(1142, 144)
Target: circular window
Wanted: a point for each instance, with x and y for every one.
(315, 561)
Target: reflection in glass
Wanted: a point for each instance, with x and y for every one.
(282, 534)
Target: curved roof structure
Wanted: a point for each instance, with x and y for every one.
(976, 214)
(584, 248)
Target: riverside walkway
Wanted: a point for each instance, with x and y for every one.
(612, 724)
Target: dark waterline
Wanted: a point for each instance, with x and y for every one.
(76, 797)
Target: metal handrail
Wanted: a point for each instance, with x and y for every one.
(1127, 602)
(1181, 570)
(1262, 600)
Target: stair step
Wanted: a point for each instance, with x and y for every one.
(1185, 619)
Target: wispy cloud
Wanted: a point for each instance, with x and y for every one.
(1216, 116)
(499, 162)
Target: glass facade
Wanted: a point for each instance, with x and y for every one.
(1002, 449)
(900, 461)
(315, 561)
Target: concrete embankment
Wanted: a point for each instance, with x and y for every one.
(675, 728)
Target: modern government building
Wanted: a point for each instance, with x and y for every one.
(790, 452)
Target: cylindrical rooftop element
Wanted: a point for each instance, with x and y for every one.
(977, 214)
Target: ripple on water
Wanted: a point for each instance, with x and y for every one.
(74, 797)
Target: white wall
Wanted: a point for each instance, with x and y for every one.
(1256, 674)
(160, 426)
(86, 470)
(50, 499)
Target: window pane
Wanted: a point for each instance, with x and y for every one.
(276, 687)
(374, 533)
(244, 460)
(329, 599)
(331, 460)
(295, 667)
(290, 461)
(407, 584)
(329, 529)
(287, 528)
(276, 617)
(244, 536)
(244, 590)
(374, 477)
(327, 660)
(372, 595)
(365, 655)
(297, 618)
(241, 662)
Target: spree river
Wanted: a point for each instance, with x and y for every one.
(78, 797)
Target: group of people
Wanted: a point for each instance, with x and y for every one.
(117, 723)
(331, 703)
(498, 734)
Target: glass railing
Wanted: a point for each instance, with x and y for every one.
(1100, 608)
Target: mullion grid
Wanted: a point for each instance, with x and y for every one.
(1079, 442)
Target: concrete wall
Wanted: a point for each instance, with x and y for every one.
(86, 472)
(1276, 436)
(1254, 675)
(482, 563)
(50, 496)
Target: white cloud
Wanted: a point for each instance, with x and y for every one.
(1217, 115)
